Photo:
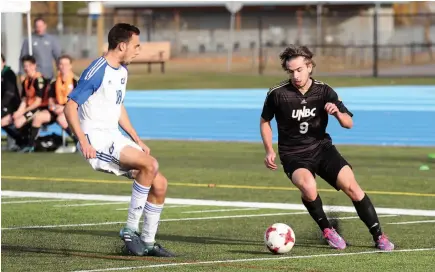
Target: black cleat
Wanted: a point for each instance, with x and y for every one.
(133, 243)
(158, 251)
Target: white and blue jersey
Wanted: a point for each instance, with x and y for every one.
(100, 93)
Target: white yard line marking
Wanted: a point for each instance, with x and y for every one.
(357, 217)
(63, 226)
(234, 204)
(411, 222)
(31, 201)
(166, 207)
(89, 204)
(176, 220)
(163, 220)
(256, 259)
(222, 210)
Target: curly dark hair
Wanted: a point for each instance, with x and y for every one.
(121, 32)
(294, 51)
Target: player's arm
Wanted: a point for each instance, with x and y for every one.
(89, 83)
(72, 117)
(335, 107)
(266, 130)
(126, 125)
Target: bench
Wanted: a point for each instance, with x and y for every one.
(151, 53)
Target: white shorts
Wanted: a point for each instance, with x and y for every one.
(108, 145)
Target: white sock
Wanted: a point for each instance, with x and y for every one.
(139, 197)
(151, 222)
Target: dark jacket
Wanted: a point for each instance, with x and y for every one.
(9, 92)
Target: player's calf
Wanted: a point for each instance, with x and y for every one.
(364, 207)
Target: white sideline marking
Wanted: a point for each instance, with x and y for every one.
(163, 220)
(201, 202)
(166, 207)
(257, 259)
(357, 217)
(89, 204)
(223, 210)
(177, 219)
(31, 201)
(411, 222)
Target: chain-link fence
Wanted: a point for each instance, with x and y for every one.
(361, 42)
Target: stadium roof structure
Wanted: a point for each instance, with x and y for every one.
(206, 3)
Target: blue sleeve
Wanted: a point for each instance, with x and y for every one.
(89, 82)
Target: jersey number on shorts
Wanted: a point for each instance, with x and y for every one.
(118, 97)
(303, 127)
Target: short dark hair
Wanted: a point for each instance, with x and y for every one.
(65, 56)
(294, 51)
(38, 19)
(3, 58)
(119, 33)
(28, 58)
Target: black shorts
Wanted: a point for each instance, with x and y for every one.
(325, 162)
(30, 114)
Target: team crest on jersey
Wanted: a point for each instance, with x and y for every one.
(40, 82)
(303, 113)
(123, 80)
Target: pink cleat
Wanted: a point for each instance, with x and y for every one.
(334, 239)
(383, 243)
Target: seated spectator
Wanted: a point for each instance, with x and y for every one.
(60, 88)
(35, 98)
(10, 101)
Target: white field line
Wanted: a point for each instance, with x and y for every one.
(89, 204)
(411, 222)
(176, 220)
(222, 210)
(357, 217)
(31, 201)
(234, 204)
(163, 220)
(257, 259)
(166, 207)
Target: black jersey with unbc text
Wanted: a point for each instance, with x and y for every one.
(301, 118)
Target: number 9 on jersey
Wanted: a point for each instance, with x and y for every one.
(303, 127)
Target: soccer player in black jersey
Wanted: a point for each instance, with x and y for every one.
(301, 106)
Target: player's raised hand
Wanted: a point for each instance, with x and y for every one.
(87, 150)
(331, 108)
(144, 147)
(269, 161)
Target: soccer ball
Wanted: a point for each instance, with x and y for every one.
(279, 238)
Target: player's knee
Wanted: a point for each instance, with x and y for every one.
(18, 123)
(347, 183)
(37, 121)
(353, 190)
(304, 180)
(309, 191)
(150, 165)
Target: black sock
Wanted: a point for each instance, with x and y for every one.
(368, 215)
(315, 208)
(12, 131)
(33, 133)
(69, 132)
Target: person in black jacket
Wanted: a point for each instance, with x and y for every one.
(10, 100)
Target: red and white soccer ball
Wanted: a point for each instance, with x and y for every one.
(279, 238)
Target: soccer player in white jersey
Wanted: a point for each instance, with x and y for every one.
(94, 110)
